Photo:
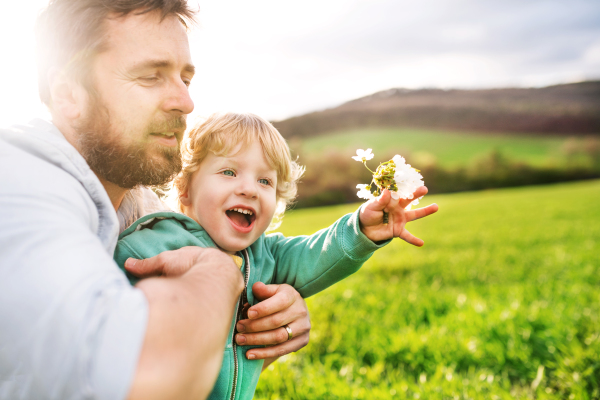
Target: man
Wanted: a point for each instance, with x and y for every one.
(115, 77)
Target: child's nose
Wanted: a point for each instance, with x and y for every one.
(247, 188)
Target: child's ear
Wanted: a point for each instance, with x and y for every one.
(184, 199)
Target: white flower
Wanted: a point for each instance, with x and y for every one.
(363, 155)
(364, 192)
(407, 178)
(398, 159)
(413, 203)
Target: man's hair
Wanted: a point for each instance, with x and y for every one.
(71, 32)
(220, 134)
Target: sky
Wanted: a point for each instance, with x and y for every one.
(280, 59)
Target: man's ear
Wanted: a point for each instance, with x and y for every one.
(69, 98)
(184, 199)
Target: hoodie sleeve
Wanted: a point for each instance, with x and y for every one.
(313, 263)
(72, 325)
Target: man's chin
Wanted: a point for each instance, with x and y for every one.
(128, 169)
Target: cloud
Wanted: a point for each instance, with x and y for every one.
(280, 58)
(382, 30)
(305, 56)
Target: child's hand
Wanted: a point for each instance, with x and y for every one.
(371, 217)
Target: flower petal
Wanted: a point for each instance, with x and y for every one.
(364, 192)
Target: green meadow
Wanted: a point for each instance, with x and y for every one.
(448, 148)
(502, 302)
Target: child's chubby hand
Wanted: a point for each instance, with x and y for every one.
(371, 217)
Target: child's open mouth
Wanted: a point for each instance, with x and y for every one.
(241, 218)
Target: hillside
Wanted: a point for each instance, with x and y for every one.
(560, 109)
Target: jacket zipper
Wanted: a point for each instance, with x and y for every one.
(243, 300)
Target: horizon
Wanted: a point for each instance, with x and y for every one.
(281, 60)
(436, 88)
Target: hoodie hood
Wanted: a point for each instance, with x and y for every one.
(43, 140)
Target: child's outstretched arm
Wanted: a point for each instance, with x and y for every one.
(371, 217)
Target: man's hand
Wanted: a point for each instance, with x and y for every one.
(169, 263)
(281, 305)
(371, 217)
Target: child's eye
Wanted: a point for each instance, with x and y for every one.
(228, 172)
(264, 181)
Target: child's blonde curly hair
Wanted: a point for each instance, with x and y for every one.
(220, 134)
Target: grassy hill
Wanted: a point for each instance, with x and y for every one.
(449, 161)
(502, 302)
(460, 139)
(561, 109)
(447, 148)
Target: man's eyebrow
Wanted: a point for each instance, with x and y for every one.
(189, 68)
(161, 64)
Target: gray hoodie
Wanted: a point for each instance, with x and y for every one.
(71, 326)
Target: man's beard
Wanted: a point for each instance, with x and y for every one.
(127, 166)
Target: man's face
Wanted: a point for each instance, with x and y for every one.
(134, 122)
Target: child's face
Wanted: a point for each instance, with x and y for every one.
(244, 182)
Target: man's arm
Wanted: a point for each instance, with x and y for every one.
(188, 322)
(72, 325)
(280, 305)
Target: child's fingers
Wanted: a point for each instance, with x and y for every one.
(421, 212)
(420, 192)
(381, 202)
(409, 238)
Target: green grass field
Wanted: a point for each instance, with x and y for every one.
(447, 148)
(502, 302)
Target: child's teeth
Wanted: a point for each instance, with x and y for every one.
(240, 210)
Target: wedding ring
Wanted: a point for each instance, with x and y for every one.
(289, 331)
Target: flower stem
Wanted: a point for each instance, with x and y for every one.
(365, 164)
(386, 218)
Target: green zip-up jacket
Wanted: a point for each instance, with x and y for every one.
(308, 263)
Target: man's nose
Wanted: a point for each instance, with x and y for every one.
(179, 100)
